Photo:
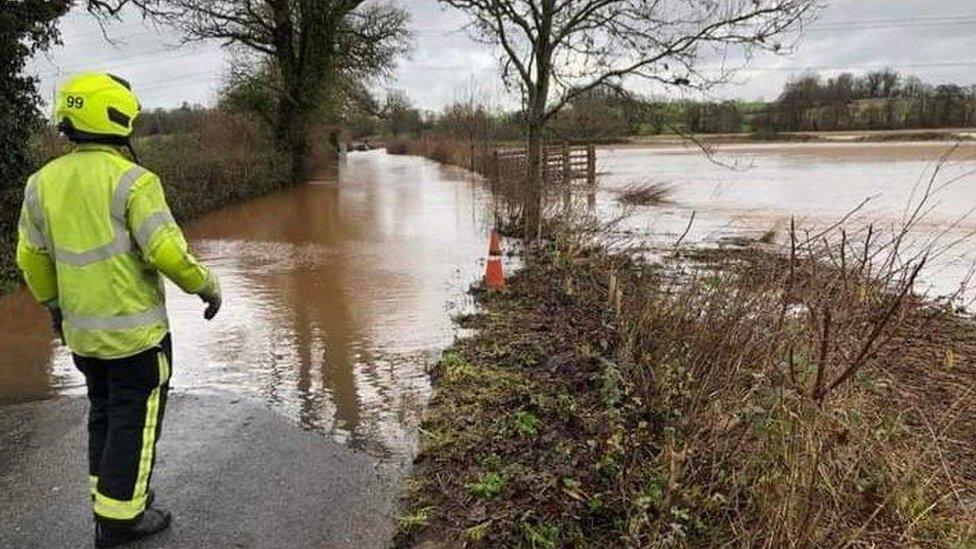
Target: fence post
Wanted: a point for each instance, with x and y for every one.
(495, 172)
(567, 179)
(567, 163)
(545, 164)
(590, 178)
(591, 164)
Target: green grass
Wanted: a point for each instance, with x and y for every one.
(541, 535)
(526, 423)
(488, 486)
(414, 520)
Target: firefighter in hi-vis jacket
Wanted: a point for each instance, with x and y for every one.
(95, 233)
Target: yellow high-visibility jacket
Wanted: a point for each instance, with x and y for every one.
(95, 232)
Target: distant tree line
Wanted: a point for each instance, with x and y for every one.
(878, 100)
(168, 121)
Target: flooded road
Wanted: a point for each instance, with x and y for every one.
(339, 294)
(747, 190)
(337, 297)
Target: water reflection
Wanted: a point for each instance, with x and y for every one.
(338, 295)
(26, 350)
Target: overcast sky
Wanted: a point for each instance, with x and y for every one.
(935, 39)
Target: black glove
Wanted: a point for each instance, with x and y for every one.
(56, 320)
(211, 296)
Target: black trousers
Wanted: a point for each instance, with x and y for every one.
(127, 402)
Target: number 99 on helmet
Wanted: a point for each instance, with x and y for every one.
(96, 105)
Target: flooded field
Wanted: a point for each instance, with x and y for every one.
(751, 189)
(337, 297)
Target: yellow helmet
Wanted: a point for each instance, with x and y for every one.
(96, 105)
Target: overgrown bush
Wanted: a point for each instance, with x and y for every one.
(225, 159)
(770, 382)
(445, 151)
(647, 194)
(401, 146)
(25, 28)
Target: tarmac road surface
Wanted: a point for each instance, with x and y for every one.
(233, 472)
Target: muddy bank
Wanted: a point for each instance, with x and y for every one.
(598, 404)
(853, 151)
(233, 473)
(852, 136)
(865, 145)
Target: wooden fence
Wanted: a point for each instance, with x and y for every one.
(560, 164)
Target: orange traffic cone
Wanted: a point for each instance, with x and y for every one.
(494, 276)
(494, 244)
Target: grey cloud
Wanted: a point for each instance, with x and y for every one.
(445, 63)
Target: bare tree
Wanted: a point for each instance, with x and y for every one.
(311, 45)
(880, 84)
(112, 8)
(890, 81)
(400, 114)
(555, 50)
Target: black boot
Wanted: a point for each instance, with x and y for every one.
(153, 521)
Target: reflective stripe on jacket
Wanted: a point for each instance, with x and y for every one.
(95, 231)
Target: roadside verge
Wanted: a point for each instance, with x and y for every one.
(749, 399)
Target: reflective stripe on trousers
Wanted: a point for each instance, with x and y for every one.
(122, 451)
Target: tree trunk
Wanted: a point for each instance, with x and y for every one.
(291, 135)
(290, 126)
(532, 212)
(538, 103)
(535, 182)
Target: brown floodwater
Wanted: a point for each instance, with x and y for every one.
(338, 295)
